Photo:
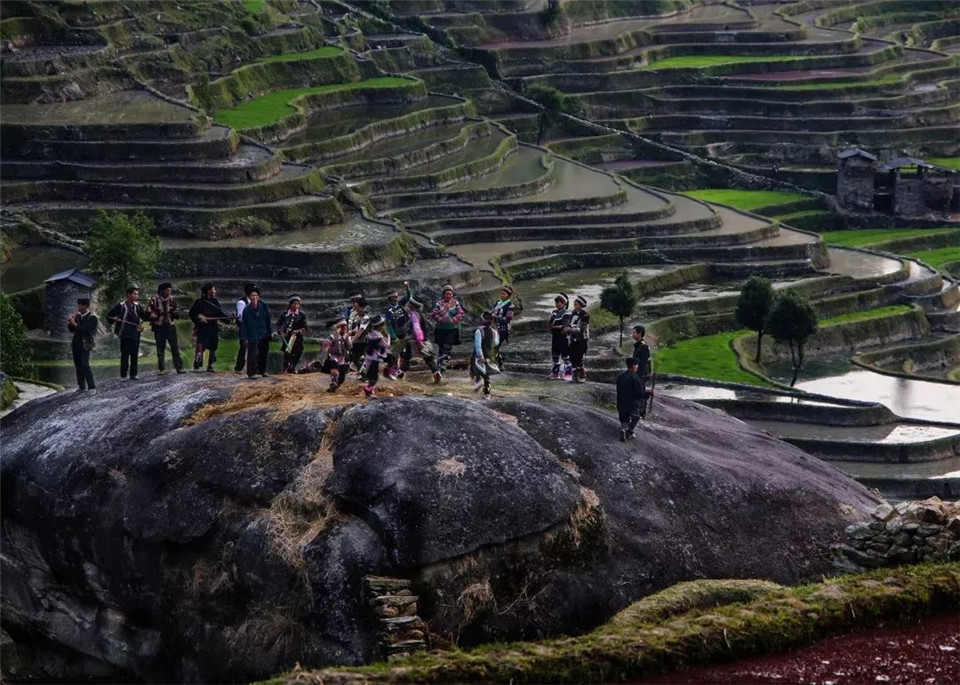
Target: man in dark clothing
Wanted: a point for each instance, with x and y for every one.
(256, 330)
(206, 315)
(127, 317)
(163, 311)
(291, 327)
(641, 352)
(241, 348)
(631, 399)
(83, 325)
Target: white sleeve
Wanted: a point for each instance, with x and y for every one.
(241, 305)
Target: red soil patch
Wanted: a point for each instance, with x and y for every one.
(927, 653)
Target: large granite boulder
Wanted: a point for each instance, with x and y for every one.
(197, 528)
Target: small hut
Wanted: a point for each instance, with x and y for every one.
(62, 291)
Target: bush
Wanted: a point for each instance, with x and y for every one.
(15, 356)
(620, 299)
(124, 250)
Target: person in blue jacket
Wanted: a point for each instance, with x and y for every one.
(256, 331)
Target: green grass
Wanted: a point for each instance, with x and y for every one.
(325, 51)
(948, 162)
(827, 85)
(255, 6)
(274, 106)
(868, 314)
(696, 61)
(708, 356)
(939, 257)
(746, 199)
(877, 235)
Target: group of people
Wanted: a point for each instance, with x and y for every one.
(365, 339)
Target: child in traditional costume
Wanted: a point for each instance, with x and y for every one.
(336, 355)
(447, 313)
(376, 350)
(559, 349)
(292, 326)
(485, 343)
(578, 334)
(503, 312)
(415, 341)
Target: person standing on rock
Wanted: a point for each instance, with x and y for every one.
(163, 312)
(631, 399)
(641, 352)
(83, 325)
(256, 331)
(485, 342)
(578, 334)
(127, 317)
(292, 326)
(242, 348)
(376, 350)
(415, 341)
(503, 312)
(559, 349)
(206, 315)
(446, 314)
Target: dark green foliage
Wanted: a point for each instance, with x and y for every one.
(792, 320)
(124, 250)
(620, 299)
(554, 103)
(8, 393)
(15, 357)
(753, 307)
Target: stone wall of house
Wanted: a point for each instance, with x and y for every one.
(855, 184)
(61, 302)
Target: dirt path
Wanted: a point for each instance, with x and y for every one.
(927, 653)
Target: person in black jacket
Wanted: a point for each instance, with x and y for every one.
(256, 330)
(83, 325)
(206, 315)
(631, 399)
(164, 311)
(127, 317)
(641, 352)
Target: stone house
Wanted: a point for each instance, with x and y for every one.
(917, 187)
(855, 179)
(62, 291)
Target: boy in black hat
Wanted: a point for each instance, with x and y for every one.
(415, 341)
(336, 353)
(397, 320)
(559, 349)
(206, 315)
(256, 330)
(578, 333)
(83, 325)
(503, 312)
(485, 341)
(242, 348)
(376, 350)
(127, 317)
(163, 312)
(292, 326)
(357, 322)
(631, 399)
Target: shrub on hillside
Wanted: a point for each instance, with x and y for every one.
(124, 250)
(15, 356)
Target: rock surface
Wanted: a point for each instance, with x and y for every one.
(197, 528)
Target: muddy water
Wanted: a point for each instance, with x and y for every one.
(30, 266)
(860, 264)
(894, 433)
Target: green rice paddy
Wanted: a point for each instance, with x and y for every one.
(708, 356)
(255, 6)
(948, 162)
(868, 314)
(940, 257)
(873, 236)
(696, 61)
(274, 106)
(746, 199)
(325, 51)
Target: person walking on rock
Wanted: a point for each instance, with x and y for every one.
(397, 318)
(485, 342)
(376, 350)
(578, 334)
(242, 348)
(415, 341)
(336, 355)
(447, 313)
(631, 399)
(256, 331)
(292, 326)
(357, 322)
(164, 311)
(641, 352)
(83, 325)
(503, 312)
(127, 317)
(559, 349)
(206, 314)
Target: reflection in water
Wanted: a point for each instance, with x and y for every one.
(31, 266)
